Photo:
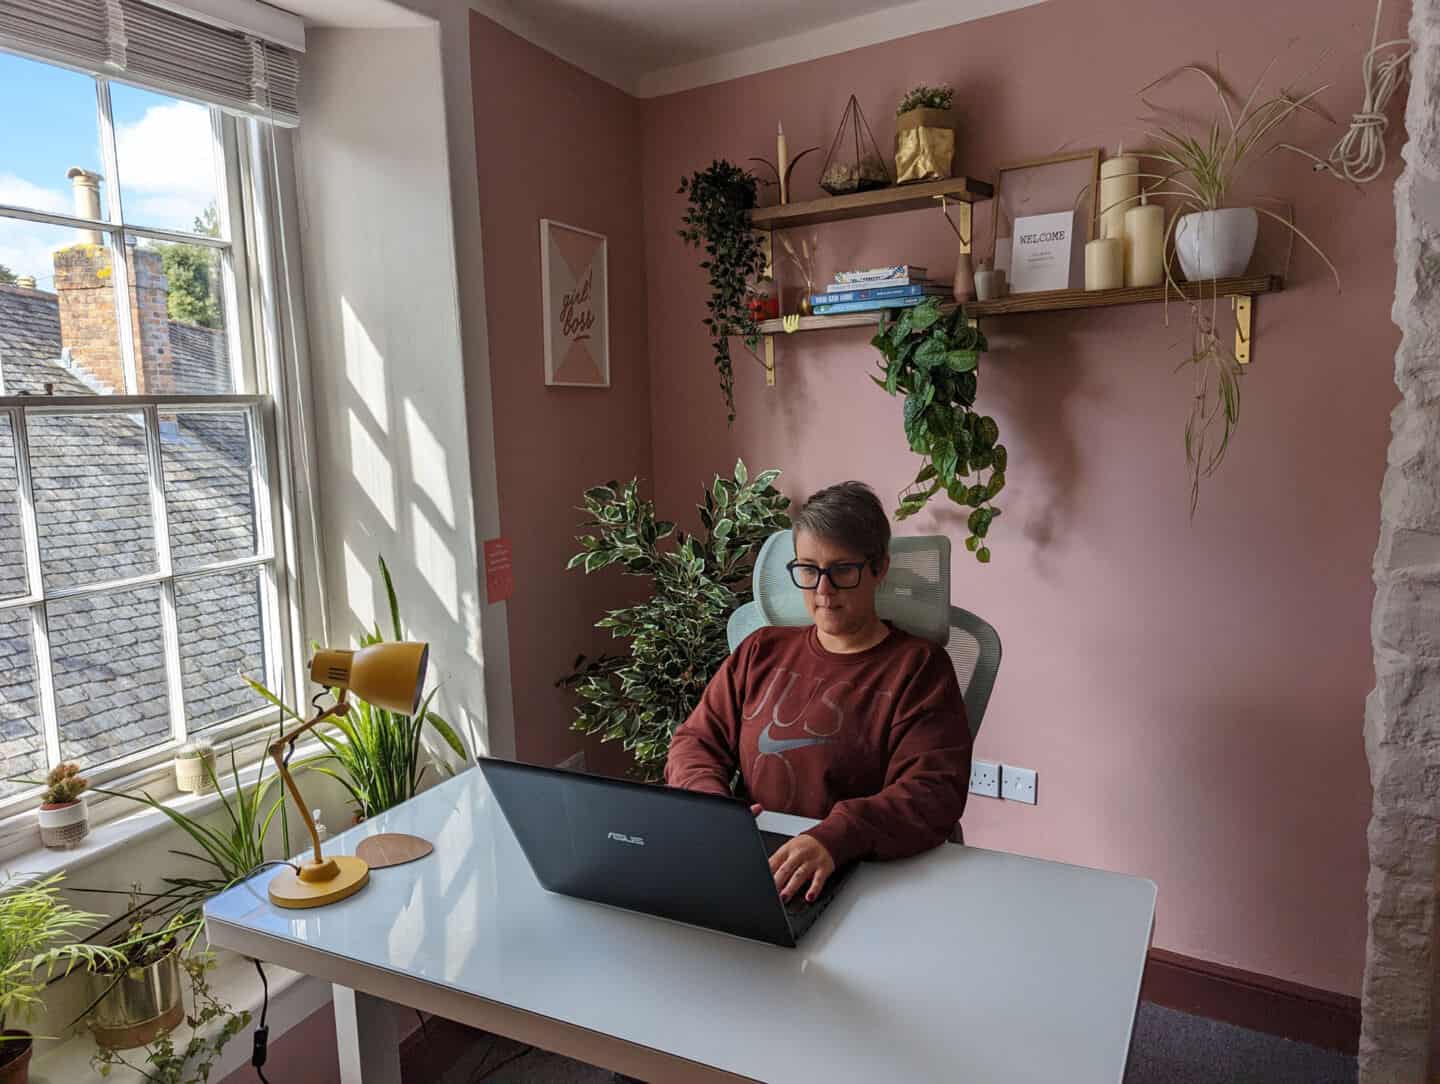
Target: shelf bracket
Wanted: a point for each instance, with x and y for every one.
(769, 361)
(962, 228)
(1243, 304)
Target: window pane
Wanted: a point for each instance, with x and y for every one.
(167, 160)
(22, 742)
(185, 343)
(38, 146)
(14, 581)
(58, 323)
(92, 497)
(221, 637)
(108, 656)
(208, 487)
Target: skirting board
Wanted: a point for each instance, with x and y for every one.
(1250, 1000)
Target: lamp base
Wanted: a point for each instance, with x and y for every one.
(289, 889)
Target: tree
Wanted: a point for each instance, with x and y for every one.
(7, 277)
(193, 275)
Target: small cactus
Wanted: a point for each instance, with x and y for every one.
(64, 785)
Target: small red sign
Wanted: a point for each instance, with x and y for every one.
(499, 570)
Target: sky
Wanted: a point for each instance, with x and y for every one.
(166, 166)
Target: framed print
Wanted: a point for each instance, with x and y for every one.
(575, 286)
(1059, 183)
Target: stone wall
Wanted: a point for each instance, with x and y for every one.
(1402, 719)
(84, 283)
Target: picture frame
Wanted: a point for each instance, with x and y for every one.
(575, 305)
(1059, 182)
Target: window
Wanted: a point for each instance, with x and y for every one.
(138, 556)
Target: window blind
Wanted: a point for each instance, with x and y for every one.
(159, 49)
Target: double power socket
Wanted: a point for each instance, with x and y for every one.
(1003, 781)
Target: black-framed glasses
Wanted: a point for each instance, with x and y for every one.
(842, 577)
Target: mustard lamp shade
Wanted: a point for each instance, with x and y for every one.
(388, 675)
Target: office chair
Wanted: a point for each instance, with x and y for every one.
(915, 597)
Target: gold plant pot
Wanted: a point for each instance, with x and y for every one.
(924, 145)
(137, 1007)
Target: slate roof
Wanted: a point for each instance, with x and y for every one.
(92, 506)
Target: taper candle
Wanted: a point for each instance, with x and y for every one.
(782, 161)
(1105, 264)
(1145, 244)
(1119, 185)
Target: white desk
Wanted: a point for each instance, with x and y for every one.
(959, 965)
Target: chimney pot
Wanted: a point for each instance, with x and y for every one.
(26, 282)
(86, 184)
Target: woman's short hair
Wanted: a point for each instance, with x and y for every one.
(850, 515)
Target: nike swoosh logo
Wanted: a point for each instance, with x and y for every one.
(767, 744)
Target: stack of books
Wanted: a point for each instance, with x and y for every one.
(876, 288)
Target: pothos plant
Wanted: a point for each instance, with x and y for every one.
(677, 634)
(718, 220)
(931, 357)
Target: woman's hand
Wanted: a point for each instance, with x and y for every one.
(804, 860)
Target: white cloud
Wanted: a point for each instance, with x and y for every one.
(167, 165)
(25, 247)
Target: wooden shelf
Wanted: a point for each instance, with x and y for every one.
(1055, 300)
(826, 323)
(880, 201)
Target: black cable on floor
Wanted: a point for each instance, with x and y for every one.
(512, 1058)
(262, 1032)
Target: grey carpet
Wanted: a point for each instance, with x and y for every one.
(1170, 1048)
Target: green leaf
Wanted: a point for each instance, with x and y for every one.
(972, 542)
(924, 314)
(962, 361)
(915, 423)
(983, 555)
(742, 475)
(931, 352)
(989, 431)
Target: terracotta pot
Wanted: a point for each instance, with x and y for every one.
(64, 826)
(15, 1057)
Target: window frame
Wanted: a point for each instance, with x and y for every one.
(249, 293)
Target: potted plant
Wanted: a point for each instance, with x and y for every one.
(1213, 239)
(135, 997)
(932, 357)
(194, 767)
(64, 817)
(924, 135)
(718, 220)
(36, 931)
(677, 634)
(378, 753)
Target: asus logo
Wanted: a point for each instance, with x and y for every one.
(636, 841)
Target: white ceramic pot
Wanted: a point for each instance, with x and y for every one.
(1216, 244)
(64, 826)
(191, 775)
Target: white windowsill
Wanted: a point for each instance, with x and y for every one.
(124, 830)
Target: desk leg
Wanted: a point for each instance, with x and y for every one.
(368, 1040)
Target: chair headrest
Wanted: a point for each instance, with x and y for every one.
(915, 595)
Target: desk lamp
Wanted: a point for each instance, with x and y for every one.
(388, 675)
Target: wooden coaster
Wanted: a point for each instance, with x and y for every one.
(392, 849)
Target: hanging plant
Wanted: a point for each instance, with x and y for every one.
(718, 220)
(931, 357)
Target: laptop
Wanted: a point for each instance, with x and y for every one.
(694, 858)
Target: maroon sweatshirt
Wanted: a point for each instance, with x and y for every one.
(875, 745)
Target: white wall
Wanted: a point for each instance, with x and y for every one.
(386, 365)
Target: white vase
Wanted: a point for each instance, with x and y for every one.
(1216, 244)
(64, 826)
(191, 774)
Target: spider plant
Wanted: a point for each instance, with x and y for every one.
(1197, 172)
(375, 755)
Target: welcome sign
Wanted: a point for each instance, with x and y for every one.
(1043, 254)
(574, 275)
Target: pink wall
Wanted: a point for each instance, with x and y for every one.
(1191, 693)
(552, 142)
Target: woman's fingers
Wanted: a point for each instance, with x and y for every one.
(817, 882)
(797, 881)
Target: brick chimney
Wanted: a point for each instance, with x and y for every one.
(89, 325)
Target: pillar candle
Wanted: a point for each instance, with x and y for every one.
(1105, 264)
(782, 162)
(1119, 185)
(1145, 244)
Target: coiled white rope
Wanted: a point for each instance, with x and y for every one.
(1359, 156)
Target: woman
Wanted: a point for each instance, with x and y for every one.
(851, 720)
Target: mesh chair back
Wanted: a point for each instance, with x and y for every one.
(915, 596)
